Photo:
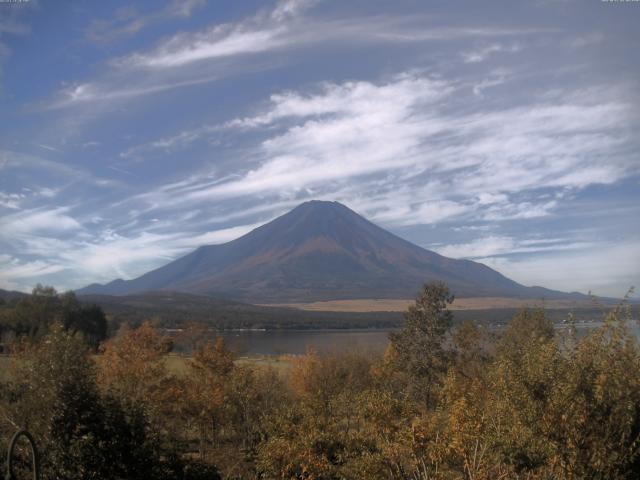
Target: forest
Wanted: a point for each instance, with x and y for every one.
(446, 400)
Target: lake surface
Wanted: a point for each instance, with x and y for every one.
(297, 342)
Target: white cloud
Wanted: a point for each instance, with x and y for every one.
(50, 148)
(258, 33)
(184, 8)
(14, 201)
(91, 92)
(486, 83)
(219, 236)
(102, 256)
(38, 220)
(14, 162)
(11, 200)
(482, 53)
(16, 274)
(506, 210)
(114, 255)
(283, 28)
(587, 40)
(495, 245)
(347, 130)
(289, 8)
(403, 213)
(481, 247)
(128, 21)
(601, 269)
(219, 41)
(418, 159)
(192, 58)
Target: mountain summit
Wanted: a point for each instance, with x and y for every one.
(319, 251)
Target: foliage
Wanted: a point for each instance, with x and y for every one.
(419, 346)
(81, 434)
(33, 315)
(442, 403)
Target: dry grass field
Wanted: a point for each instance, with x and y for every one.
(177, 364)
(399, 305)
(5, 366)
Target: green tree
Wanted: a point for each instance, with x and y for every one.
(419, 346)
(33, 315)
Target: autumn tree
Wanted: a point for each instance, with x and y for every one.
(592, 423)
(133, 366)
(81, 434)
(323, 431)
(207, 390)
(133, 370)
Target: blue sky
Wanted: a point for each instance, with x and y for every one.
(505, 132)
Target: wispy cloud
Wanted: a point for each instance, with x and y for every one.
(605, 269)
(219, 41)
(192, 58)
(13, 272)
(184, 8)
(12, 161)
(491, 246)
(410, 129)
(50, 148)
(290, 8)
(259, 33)
(495, 79)
(482, 53)
(12, 24)
(11, 200)
(38, 220)
(104, 256)
(128, 21)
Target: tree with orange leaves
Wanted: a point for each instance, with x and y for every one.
(133, 364)
(208, 384)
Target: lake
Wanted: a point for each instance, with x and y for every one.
(297, 342)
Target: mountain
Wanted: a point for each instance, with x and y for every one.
(8, 295)
(319, 251)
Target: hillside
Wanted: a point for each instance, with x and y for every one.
(8, 295)
(173, 309)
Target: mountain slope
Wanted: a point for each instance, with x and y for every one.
(8, 295)
(318, 251)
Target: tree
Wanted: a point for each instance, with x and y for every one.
(133, 365)
(81, 434)
(89, 320)
(419, 346)
(208, 387)
(33, 315)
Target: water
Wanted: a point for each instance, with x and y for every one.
(297, 342)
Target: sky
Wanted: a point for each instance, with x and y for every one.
(503, 132)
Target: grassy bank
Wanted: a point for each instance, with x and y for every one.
(178, 364)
